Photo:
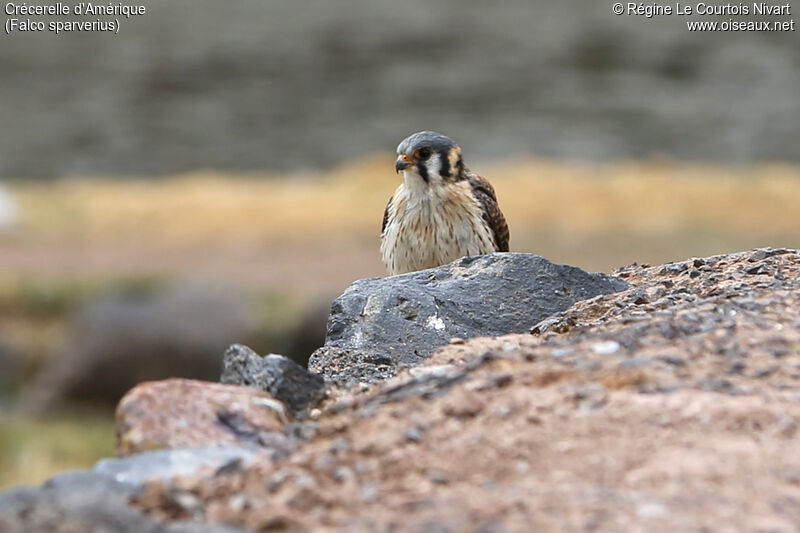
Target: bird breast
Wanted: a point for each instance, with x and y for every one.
(429, 228)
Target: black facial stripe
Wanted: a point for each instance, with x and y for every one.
(444, 171)
(460, 168)
(423, 171)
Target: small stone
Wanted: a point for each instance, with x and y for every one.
(780, 352)
(737, 367)
(433, 371)
(413, 434)
(187, 501)
(757, 269)
(369, 493)
(673, 360)
(502, 380)
(340, 445)
(636, 362)
(462, 404)
(606, 347)
(786, 426)
(231, 467)
(502, 411)
(651, 510)
(765, 373)
(587, 364)
(237, 503)
(674, 268)
(407, 311)
(343, 473)
(437, 476)
(718, 385)
(558, 353)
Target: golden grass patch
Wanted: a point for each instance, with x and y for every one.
(573, 211)
(34, 450)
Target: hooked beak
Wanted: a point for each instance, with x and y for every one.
(402, 163)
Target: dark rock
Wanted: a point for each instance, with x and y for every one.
(759, 268)
(437, 476)
(413, 434)
(673, 360)
(636, 362)
(723, 386)
(765, 373)
(281, 377)
(125, 339)
(381, 324)
(737, 367)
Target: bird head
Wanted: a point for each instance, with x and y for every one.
(430, 157)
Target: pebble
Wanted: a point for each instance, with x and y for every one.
(343, 473)
(673, 360)
(369, 493)
(437, 476)
(674, 268)
(606, 347)
(561, 352)
(636, 362)
(413, 434)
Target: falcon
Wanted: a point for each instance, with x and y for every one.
(441, 211)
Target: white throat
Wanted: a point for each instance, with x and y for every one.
(414, 182)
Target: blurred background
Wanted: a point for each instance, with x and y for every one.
(217, 173)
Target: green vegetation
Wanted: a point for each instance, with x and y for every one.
(31, 450)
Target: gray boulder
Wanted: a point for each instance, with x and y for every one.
(83, 501)
(381, 324)
(281, 377)
(135, 470)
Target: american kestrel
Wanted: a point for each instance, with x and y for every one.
(442, 211)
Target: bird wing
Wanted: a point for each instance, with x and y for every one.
(386, 215)
(484, 192)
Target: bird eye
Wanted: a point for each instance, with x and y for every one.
(423, 153)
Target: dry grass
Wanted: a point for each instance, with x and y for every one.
(598, 216)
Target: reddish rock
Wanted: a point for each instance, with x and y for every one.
(182, 412)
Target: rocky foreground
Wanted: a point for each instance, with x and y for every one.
(672, 404)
